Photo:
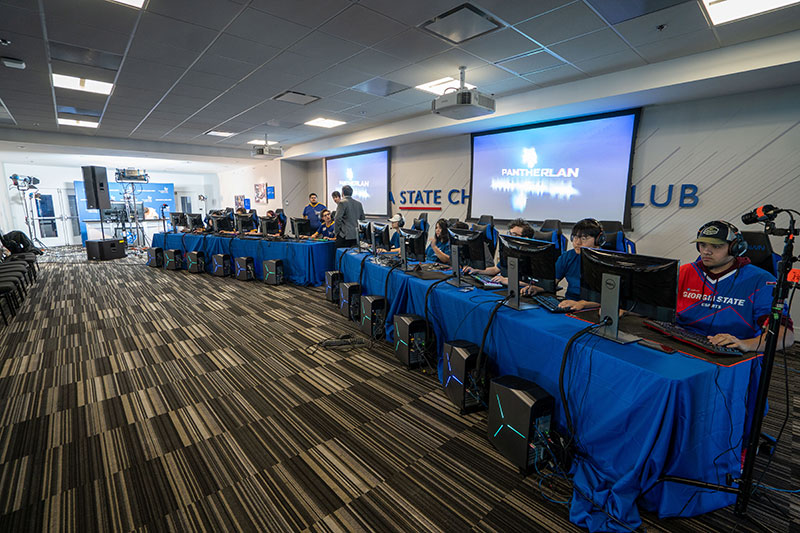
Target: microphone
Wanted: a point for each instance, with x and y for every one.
(760, 214)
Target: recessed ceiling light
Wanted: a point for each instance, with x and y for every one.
(131, 3)
(440, 86)
(82, 84)
(262, 142)
(220, 133)
(722, 11)
(79, 123)
(325, 122)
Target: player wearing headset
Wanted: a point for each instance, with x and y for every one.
(586, 233)
(725, 297)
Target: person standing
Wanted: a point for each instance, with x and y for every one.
(348, 213)
(313, 212)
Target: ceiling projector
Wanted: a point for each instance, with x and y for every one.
(463, 103)
(266, 152)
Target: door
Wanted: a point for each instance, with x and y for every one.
(51, 223)
(186, 204)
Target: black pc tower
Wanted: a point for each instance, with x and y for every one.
(273, 271)
(173, 260)
(520, 414)
(245, 269)
(349, 294)
(410, 333)
(196, 262)
(155, 257)
(373, 316)
(221, 265)
(459, 361)
(332, 280)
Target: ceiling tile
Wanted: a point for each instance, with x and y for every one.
(374, 62)
(412, 45)
(99, 14)
(242, 49)
(20, 20)
(682, 45)
(412, 12)
(80, 99)
(129, 95)
(532, 62)
(615, 11)
(555, 75)
(500, 45)
(447, 63)
(268, 77)
(209, 13)
(354, 97)
(513, 11)
(683, 18)
(317, 87)
(301, 66)
(411, 96)
(508, 87)
(70, 32)
(83, 71)
(223, 66)
(174, 32)
(486, 75)
(319, 45)
(25, 81)
(375, 107)
(204, 79)
(414, 75)
(766, 25)
(29, 49)
(266, 29)
(617, 61)
(595, 44)
(184, 89)
(362, 25)
(158, 52)
(301, 12)
(343, 76)
(563, 23)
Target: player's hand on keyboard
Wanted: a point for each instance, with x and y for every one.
(726, 339)
(500, 279)
(572, 304)
(468, 270)
(530, 290)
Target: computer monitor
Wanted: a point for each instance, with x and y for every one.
(640, 284)
(177, 219)
(467, 248)
(269, 226)
(364, 234)
(194, 221)
(301, 226)
(244, 222)
(530, 261)
(221, 223)
(117, 212)
(380, 237)
(412, 246)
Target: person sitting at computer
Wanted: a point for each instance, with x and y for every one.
(313, 212)
(439, 248)
(518, 228)
(325, 230)
(394, 241)
(723, 296)
(568, 265)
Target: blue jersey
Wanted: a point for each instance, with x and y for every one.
(312, 213)
(568, 265)
(326, 231)
(430, 255)
(737, 302)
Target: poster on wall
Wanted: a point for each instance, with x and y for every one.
(270, 193)
(238, 201)
(261, 193)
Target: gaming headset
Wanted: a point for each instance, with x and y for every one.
(600, 238)
(737, 246)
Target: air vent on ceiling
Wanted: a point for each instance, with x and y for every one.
(380, 87)
(461, 24)
(84, 56)
(295, 98)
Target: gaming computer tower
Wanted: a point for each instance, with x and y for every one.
(273, 271)
(520, 416)
(155, 257)
(173, 260)
(332, 280)
(409, 339)
(373, 316)
(245, 269)
(459, 361)
(349, 295)
(196, 262)
(221, 265)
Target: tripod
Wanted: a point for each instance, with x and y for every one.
(29, 218)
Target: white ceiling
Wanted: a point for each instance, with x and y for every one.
(188, 66)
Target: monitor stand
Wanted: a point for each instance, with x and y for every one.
(609, 308)
(404, 256)
(454, 262)
(513, 287)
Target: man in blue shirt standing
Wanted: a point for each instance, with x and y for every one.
(313, 212)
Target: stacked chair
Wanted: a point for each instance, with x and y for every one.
(17, 272)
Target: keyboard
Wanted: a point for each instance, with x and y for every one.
(485, 282)
(550, 303)
(691, 338)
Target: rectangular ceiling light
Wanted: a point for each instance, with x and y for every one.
(220, 133)
(81, 84)
(325, 122)
(132, 3)
(440, 86)
(262, 142)
(79, 123)
(722, 11)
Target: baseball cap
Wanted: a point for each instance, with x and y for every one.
(716, 232)
(397, 218)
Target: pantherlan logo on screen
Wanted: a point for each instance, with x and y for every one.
(533, 180)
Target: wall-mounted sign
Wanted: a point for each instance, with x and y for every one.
(429, 199)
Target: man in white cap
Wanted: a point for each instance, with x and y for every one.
(397, 222)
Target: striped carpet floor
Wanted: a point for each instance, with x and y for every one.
(136, 399)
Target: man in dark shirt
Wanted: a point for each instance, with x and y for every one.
(348, 213)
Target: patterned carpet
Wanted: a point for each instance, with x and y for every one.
(136, 399)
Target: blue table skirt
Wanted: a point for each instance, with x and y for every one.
(639, 414)
(304, 262)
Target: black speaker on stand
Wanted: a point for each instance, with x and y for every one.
(95, 181)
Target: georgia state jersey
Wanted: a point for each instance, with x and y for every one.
(732, 304)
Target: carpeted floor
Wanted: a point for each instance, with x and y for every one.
(134, 398)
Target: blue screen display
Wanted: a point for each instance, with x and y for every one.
(563, 171)
(367, 174)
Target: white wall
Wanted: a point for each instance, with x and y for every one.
(294, 182)
(243, 180)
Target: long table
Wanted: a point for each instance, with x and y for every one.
(638, 414)
(304, 262)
